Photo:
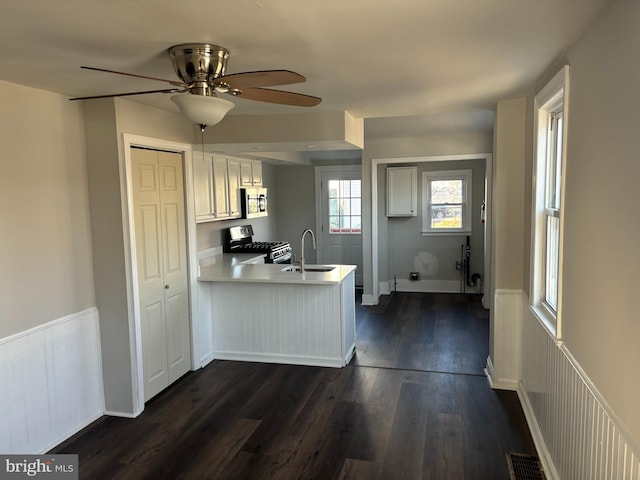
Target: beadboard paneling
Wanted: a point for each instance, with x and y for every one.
(51, 383)
(576, 433)
(503, 368)
(287, 323)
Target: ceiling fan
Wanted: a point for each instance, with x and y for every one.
(201, 68)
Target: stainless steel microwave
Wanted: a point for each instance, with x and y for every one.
(254, 202)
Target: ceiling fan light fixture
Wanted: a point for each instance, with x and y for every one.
(201, 109)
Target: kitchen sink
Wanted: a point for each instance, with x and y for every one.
(309, 268)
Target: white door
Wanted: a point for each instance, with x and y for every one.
(341, 214)
(158, 198)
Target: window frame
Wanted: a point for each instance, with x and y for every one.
(466, 176)
(550, 105)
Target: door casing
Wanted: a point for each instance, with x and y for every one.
(133, 298)
(319, 171)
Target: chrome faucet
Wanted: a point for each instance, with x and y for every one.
(313, 240)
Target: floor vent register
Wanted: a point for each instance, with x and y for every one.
(525, 467)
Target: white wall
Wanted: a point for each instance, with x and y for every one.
(105, 122)
(50, 374)
(602, 225)
(581, 394)
(45, 245)
(508, 194)
(296, 206)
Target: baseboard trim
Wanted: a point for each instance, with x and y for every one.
(206, 360)
(498, 383)
(428, 286)
(369, 300)
(113, 413)
(536, 435)
(286, 359)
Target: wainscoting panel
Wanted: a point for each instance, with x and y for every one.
(576, 433)
(202, 325)
(287, 323)
(51, 383)
(503, 368)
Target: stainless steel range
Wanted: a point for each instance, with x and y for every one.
(239, 239)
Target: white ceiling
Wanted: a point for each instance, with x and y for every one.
(407, 65)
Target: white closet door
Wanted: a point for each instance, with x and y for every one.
(161, 265)
(175, 264)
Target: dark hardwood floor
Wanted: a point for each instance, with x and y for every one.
(412, 404)
(424, 331)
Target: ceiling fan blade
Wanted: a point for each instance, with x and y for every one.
(278, 96)
(264, 78)
(165, 90)
(170, 82)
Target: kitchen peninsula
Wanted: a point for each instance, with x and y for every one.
(268, 313)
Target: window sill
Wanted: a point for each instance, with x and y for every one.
(547, 320)
(449, 233)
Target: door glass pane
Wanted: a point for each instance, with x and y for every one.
(334, 224)
(334, 186)
(333, 206)
(344, 206)
(356, 206)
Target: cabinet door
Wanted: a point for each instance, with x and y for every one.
(233, 168)
(246, 176)
(402, 195)
(203, 187)
(250, 173)
(256, 173)
(220, 187)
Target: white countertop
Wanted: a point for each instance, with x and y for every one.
(230, 268)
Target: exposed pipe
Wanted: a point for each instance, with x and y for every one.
(460, 267)
(472, 280)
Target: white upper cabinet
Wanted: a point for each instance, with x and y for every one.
(221, 187)
(233, 168)
(216, 181)
(402, 191)
(250, 173)
(203, 187)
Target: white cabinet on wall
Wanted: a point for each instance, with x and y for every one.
(402, 191)
(216, 181)
(220, 187)
(250, 173)
(203, 187)
(233, 169)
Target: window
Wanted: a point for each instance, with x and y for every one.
(551, 110)
(345, 214)
(446, 202)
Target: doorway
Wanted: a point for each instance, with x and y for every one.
(373, 261)
(184, 151)
(339, 216)
(163, 289)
